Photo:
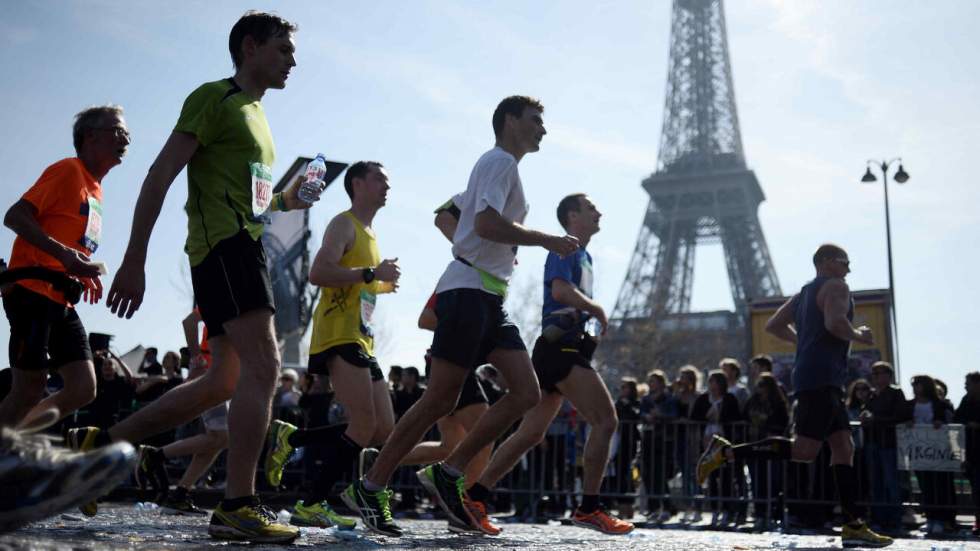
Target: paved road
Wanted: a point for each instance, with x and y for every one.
(126, 527)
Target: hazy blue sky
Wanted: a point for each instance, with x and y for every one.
(820, 88)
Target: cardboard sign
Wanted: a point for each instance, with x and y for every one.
(926, 448)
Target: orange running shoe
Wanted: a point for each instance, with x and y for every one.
(478, 510)
(602, 521)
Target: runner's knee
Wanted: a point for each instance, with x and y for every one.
(525, 398)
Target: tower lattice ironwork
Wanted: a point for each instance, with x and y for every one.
(702, 192)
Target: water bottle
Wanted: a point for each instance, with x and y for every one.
(309, 190)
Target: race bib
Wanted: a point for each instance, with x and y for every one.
(261, 187)
(368, 302)
(93, 227)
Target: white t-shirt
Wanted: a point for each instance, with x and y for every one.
(494, 183)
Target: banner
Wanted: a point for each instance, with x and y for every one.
(926, 448)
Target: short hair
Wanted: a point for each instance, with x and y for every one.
(411, 370)
(92, 118)
(632, 384)
(827, 251)
(569, 204)
(261, 26)
(659, 375)
(764, 360)
(732, 363)
(289, 373)
(973, 377)
(152, 350)
(693, 371)
(883, 366)
(396, 369)
(928, 385)
(512, 105)
(719, 377)
(359, 169)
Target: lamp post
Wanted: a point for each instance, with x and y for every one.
(901, 177)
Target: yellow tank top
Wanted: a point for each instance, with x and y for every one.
(343, 314)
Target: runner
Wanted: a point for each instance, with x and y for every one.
(350, 273)
(818, 321)
(58, 223)
(204, 448)
(223, 139)
(562, 360)
(472, 323)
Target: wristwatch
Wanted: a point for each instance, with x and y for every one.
(367, 274)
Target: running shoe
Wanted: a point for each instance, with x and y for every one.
(253, 523)
(478, 511)
(180, 505)
(862, 536)
(712, 458)
(601, 521)
(320, 515)
(279, 451)
(40, 480)
(448, 491)
(83, 439)
(373, 507)
(151, 470)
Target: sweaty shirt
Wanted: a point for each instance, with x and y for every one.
(821, 357)
(69, 209)
(234, 158)
(494, 183)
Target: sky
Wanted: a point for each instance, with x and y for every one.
(821, 87)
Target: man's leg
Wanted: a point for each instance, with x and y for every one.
(26, 391)
(586, 391)
(384, 413)
(523, 394)
(845, 476)
(451, 433)
(469, 416)
(252, 336)
(187, 401)
(78, 391)
(529, 434)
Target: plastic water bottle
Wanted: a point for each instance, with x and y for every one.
(309, 190)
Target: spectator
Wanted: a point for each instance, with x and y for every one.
(154, 386)
(942, 391)
(658, 460)
(150, 366)
(767, 414)
(287, 396)
(733, 372)
(628, 411)
(969, 415)
(718, 410)
(394, 378)
(408, 391)
(885, 408)
(936, 487)
(858, 396)
(115, 391)
(687, 387)
(759, 365)
(315, 400)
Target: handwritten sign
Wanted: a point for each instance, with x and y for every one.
(926, 448)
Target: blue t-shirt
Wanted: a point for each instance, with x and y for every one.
(576, 269)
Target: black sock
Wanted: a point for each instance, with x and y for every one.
(774, 448)
(845, 478)
(239, 502)
(321, 435)
(590, 503)
(102, 438)
(479, 492)
(339, 459)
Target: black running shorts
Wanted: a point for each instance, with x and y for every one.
(43, 333)
(233, 279)
(553, 361)
(351, 353)
(820, 413)
(472, 393)
(472, 324)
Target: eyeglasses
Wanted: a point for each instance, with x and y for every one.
(843, 261)
(117, 131)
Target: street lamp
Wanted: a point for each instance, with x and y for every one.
(901, 177)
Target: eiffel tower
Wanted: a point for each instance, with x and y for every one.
(701, 193)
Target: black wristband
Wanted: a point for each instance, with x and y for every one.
(367, 274)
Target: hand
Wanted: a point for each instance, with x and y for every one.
(864, 335)
(388, 270)
(561, 245)
(78, 264)
(126, 293)
(93, 289)
(290, 196)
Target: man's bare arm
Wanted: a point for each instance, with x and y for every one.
(190, 324)
(446, 223)
(569, 295)
(21, 217)
(780, 325)
(834, 301)
(490, 225)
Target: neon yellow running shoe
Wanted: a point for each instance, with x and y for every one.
(279, 451)
(83, 439)
(320, 515)
(862, 536)
(712, 458)
(250, 523)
